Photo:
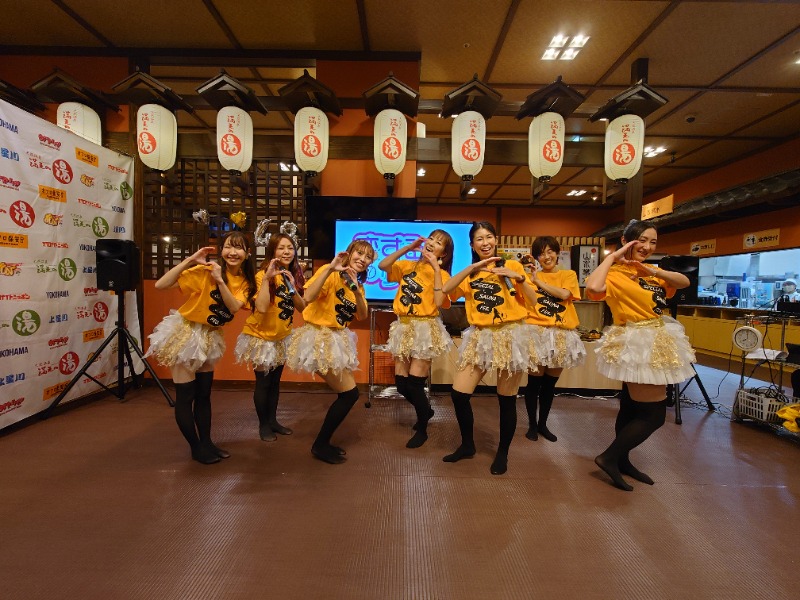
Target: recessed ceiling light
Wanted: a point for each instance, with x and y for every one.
(473, 190)
(559, 41)
(576, 193)
(569, 54)
(167, 239)
(421, 172)
(578, 41)
(650, 152)
(550, 54)
(225, 199)
(284, 167)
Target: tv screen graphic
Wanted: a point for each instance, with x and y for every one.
(388, 237)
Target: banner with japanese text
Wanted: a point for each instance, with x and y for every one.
(59, 193)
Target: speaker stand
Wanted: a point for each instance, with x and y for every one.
(674, 390)
(125, 342)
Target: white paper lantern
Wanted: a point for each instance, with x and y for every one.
(624, 147)
(311, 139)
(234, 139)
(80, 120)
(156, 136)
(546, 145)
(468, 144)
(390, 138)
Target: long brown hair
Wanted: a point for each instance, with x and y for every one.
(447, 255)
(240, 240)
(364, 246)
(294, 266)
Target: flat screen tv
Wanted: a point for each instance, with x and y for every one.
(389, 236)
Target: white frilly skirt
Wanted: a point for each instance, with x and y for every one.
(655, 351)
(510, 347)
(260, 354)
(316, 349)
(418, 337)
(559, 348)
(176, 341)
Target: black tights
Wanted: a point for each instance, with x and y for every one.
(337, 412)
(539, 394)
(265, 397)
(193, 416)
(636, 421)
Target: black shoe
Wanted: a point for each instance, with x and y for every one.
(327, 454)
(204, 455)
(278, 428)
(266, 434)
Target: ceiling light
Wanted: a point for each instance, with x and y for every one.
(284, 167)
(473, 190)
(576, 138)
(579, 41)
(576, 193)
(559, 41)
(225, 199)
(167, 239)
(550, 54)
(421, 172)
(650, 152)
(569, 54)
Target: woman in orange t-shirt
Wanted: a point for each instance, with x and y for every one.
(267, 332)
(556, 320)
(644, 349)
(189, 341)
(325, 345)
(418, 335)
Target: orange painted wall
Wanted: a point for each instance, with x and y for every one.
(100, 74)
(158, 304)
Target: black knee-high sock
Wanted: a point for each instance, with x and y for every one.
(532, 405)
(466, 421)
(546, 394)
(401, 382)
(649, 416)
(202, 411)
(417, 396)
(273, 397)
(336, 414)
(184, 417)
(261, 401)
(627, 409)
(508, 424)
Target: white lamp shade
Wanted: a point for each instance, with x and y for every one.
(390, 138)
(234, 139)
(546, 145)
(468, 143)
(80, 120)
(311, 139)
(624, 147)
(156, 136)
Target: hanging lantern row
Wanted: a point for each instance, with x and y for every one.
(311, 132)
(156, 136)
(80, 120)
(623, 147)
(390, 141)
(235, 139)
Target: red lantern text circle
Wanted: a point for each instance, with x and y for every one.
(624, 154)
(230, 144)
(551, 151)
(147, 143)
(311, 145)
(392, 148)
(471, 149)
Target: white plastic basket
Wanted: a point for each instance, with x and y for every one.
(750, 405)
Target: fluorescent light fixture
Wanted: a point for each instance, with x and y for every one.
(550, 54)
(576, 193)
(569, 54)
(559, 41)
(284, 167)
(473, 190)
(421, 172)
(576, 138)
(578, 41)
(650, 152)
(225, 199)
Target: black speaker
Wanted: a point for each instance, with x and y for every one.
(117, 264)
(689, 266)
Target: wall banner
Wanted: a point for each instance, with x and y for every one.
(59, 193)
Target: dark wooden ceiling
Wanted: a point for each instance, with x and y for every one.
(730, 70)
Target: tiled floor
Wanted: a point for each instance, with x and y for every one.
(102, 501)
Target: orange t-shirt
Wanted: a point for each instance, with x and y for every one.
(487, 299)
(555, 312)
(415, 296)
(633, 298)
(276, 323)
(335, 307)
(205, 303)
